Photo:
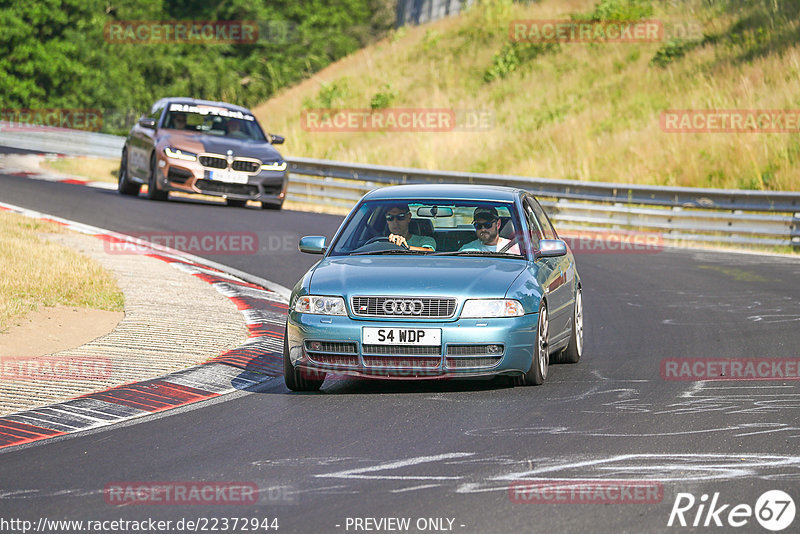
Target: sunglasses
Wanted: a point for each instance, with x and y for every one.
(399, 217)
(483, 226)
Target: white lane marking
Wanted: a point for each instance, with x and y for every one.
(768, 431)
(414, 488)
(357, 473)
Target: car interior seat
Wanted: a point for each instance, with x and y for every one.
(421, 227)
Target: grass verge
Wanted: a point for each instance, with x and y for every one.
(96, 169)
(584, 111)
(38, 272)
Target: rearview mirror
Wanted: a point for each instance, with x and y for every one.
(551, 248)
(434, 211)
(312, 244)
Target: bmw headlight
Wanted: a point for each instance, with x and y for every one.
(274, 166)
(180, 154)
(320, 305)
(475, 308)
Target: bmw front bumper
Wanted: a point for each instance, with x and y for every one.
(191, 177)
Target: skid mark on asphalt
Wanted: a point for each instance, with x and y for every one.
(450, 472)
(764, 401)
(299, 462)
(360, 472)
(736, 398)
(744, 305)
(680, 468)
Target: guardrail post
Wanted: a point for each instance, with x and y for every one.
(794, 232)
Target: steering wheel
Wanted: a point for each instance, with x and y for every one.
(376, 239)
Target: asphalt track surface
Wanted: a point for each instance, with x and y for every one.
(419, 450)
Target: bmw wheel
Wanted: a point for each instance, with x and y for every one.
(153, 192)
(123, 185)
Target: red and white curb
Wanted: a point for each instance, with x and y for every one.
(264, 306)
(34, 173)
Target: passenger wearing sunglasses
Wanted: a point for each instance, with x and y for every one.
(398, 219)
(487, 227)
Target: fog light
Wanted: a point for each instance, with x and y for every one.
(494, 349)
(315, 345)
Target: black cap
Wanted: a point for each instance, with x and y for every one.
(485, 213)
(399, 206)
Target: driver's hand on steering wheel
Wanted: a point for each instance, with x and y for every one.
(398, 240)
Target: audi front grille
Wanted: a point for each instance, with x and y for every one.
(423, 307)
(402, 350)
(404, 362)
(332, 352)
(475, 363)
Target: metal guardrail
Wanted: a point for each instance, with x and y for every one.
(681, 213)
(63, 141)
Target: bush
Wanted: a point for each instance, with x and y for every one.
(383, 99)
(514, 55)
(618, 10)
(672, 50)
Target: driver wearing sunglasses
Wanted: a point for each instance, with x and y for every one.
(487, 227)
(398, 219)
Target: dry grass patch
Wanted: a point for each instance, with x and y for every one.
(584, 111)
(38, 272)
(96, 169)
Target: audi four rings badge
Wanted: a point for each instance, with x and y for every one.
(403, 306)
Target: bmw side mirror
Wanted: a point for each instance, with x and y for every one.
(147, 122)
(312, 244)
(276, 139)
(551, 248)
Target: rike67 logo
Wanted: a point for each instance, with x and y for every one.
(774, 510)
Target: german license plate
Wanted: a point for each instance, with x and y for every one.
(231, 177)
(402, 336)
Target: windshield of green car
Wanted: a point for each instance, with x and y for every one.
(431, 227)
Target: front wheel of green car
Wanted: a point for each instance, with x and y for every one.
(540, 361)
(297, 379)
